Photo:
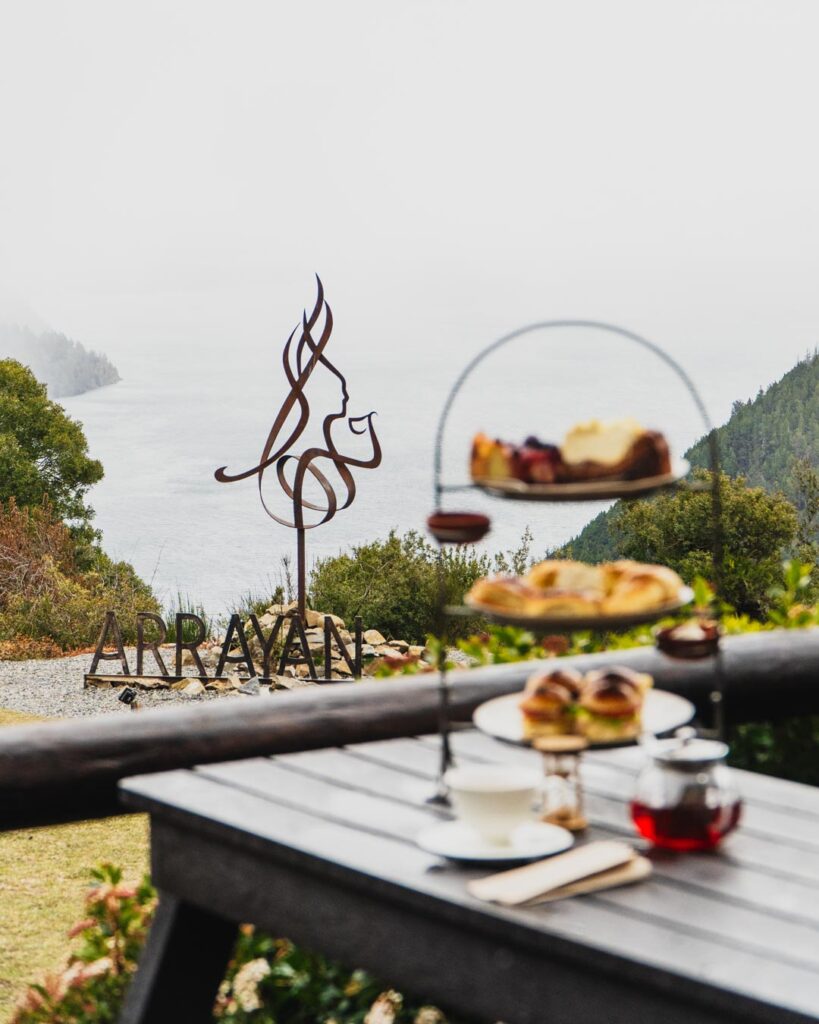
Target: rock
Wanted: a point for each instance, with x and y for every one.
(340, 668)
(290, 609)
(416, 650)
(219, 686)
(267, 621)
(346, 636)
(367, 651)
(252, 687)
(372, 636)
(193, 689)
(337, 622)
(187, 658)
(302, 671)
(103, 684)
(313, 619)
(399, 645)
(285, 683)
(386, 650)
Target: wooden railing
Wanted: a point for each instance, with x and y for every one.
(69, 770)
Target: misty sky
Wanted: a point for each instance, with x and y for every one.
(172, 173)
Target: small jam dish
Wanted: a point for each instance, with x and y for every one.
(458, 527)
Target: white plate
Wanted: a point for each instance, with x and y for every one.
(584, 490)
(662, 712)
(457, 841)
(563, 623)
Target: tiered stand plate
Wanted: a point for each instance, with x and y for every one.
(562, 624)
(586, 490)
(663, 712)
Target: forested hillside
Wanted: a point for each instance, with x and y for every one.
(66, 367)
(766, 434)
(772, 440)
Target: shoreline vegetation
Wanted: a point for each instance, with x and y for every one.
(65, 366)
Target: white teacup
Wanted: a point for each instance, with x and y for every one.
(493, 799)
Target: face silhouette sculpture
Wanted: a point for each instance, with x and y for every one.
(325, 466)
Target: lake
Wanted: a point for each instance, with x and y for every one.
(180, 413)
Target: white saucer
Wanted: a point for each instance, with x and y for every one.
(457, 841)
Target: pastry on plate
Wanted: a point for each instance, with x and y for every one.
(642, 680)
(565, 574)
(615, 450)
(548, 703)
(635, 587)
(506, 593)
(610, 707)
(492, 460)
(596, 450)
(566, 603)
(562, 588)
(539, 463)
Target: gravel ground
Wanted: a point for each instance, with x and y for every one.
(53, 688)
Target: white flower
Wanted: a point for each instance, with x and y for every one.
(429, 1015)
(385, 1009)
(246, 983)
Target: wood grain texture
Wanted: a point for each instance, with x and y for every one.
(452, 963)
(707, 937)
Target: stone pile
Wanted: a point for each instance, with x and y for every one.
(374, 648)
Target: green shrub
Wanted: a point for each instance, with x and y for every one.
(268, 981)
(184, 604)
(91, 986)
(394, 584)
(44, 596)
(256, 602)
(675, 529)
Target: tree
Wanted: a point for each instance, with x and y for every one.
(43, 452)
(807, 503)
(675, 529)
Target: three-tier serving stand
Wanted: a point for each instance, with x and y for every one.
(463, 528)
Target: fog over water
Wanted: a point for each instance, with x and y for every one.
(172, 175)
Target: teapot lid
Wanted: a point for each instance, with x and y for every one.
(689, 752)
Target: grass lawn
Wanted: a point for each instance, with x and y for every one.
(43, 878)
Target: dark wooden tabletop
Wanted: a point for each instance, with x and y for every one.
(320, 847)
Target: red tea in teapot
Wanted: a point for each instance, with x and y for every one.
(686, 827)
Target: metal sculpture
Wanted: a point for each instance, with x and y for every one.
(301, 357)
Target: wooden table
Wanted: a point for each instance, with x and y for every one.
(319, 847)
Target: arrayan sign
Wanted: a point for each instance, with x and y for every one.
(294, 648)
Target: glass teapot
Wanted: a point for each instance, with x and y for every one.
(686, 798)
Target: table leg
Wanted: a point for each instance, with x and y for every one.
(181, 967)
